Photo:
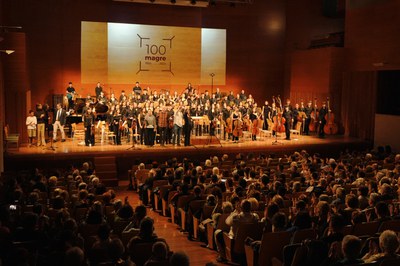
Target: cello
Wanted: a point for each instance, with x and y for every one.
(330, 128)
(279, 120)
(314, 117)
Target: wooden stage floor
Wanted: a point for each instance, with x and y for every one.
(70, 152)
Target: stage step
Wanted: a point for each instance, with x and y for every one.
(106, 170)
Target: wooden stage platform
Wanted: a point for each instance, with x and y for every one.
(70, 153)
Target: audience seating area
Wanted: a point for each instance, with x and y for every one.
(299, 209)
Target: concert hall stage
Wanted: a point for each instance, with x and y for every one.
(122, 157)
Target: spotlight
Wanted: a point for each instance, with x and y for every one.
(193, 2)
(7, 51)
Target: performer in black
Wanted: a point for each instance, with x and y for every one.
(117, 123)
(137, 89)
(266, 115)
(322, 121)
(88, 121)
(187, 127)
(70, 95)
(98, 89)
(307, 110)
(287, 114)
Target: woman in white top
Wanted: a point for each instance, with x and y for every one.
(31, 123)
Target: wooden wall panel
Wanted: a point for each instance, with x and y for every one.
(255, 40)
(372, 36)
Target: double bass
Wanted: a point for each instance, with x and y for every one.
(279, 120)
(330, 128)
(314, 118)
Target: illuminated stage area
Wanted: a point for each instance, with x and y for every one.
(122, 157)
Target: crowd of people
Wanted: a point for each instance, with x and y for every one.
(70, 218)
(173, 116)
(325, 194)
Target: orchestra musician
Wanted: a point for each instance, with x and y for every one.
(41, 125)
(116, 126)
(60, 117)
(187, 127)
(236, 118)
(295, 115)
(288, 115)
(273, 113)
(307, 110)
(266, 115)
(162, 119)
(70, 95)
(178, 124)
(142, 125)
(89, 127)
(137, 90)
(322, 121)
(102, 99)
(151, 126)
(98, 90)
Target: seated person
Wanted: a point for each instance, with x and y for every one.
(146, 235)
(389, 244)
(160, 255)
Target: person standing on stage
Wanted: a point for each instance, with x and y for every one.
(88, 122)
(142, 125)
(60, 117)
(98, 90)
(31, 123)
(187, 127)
(116, 126)
(162, 125)
(151, 126)
(178, 123)
(288, 115)
(307, 110)
(137, 90)
(70, 95)
(41, 124)
(266, 114)
(170, 127)
(322, 121)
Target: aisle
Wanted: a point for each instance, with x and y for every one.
(176, 240)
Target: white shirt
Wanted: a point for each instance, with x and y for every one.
(31, 122)
(178, 118)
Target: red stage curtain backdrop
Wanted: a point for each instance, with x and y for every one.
(359, 104)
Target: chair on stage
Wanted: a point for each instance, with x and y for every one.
(10, 139)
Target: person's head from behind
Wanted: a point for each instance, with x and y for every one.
(179, 258)
(116, 249)
(389, 242)
(74, 257)
(382, 209)
(336, 223)
(140, 212)
(351, 247)
(160, 250)
(103, 232)
(147, 227)
(278, 222)
(245, 206)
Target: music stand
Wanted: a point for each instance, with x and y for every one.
(49, 135)
(276, 142)
(133, 147)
